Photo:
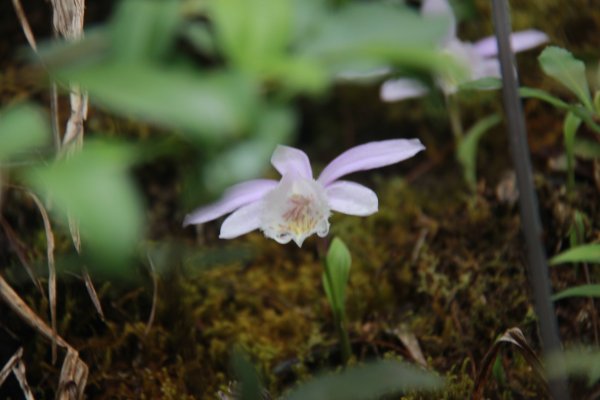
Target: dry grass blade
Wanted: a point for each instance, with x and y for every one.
(154, 295)
(17, 304)
(73, 377)
(410, 341)
(25, 24)
(18, 247)
(19, 372)
(89, 285)
(515, 337)
(7, 369)
(51, 268)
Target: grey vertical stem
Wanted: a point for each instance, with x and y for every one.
(528, 204)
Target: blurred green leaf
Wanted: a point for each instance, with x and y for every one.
(22, 128)
(200, 36)
(215, 105)
(467, 148)
(249, 158)
(377, 34)
(591, 290)
(144, 30)
(249, 383)
(588, 253)
(368, 381)
(582, 362)
(586, 149)
(487, 83)
(335, 278)
(251, 33)
(93, 186)
(570, 126)
(562, 66)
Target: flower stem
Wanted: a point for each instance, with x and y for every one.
(454, 115)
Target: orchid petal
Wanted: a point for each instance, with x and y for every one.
(351, 198)
(369, 156)
(244, 220)
(289, 160)
(400, 89)
(440, 8)
(234, 198)
(487, 68)
(519, 41)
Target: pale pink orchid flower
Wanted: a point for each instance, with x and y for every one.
(478, 60)
(297, 206)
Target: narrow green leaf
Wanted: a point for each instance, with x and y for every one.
(588, 253)
(337, 263)
(562, 66)
(482, 84)
(570, 126)
(581, 362)
(591, 290)
(467, 148)
(544, 96)
(22, 128)
(94, 188)
(368, 381)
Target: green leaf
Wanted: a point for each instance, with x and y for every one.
(562, 66)
(570, 126)
(381, 34)
(335, 278)
(217, 106)
(22, 127)
(252, 32)
(487, 83)
(143, 30)
(249, 383)
(581, 362)
(586, 149)
(93, 186)
(588, 253)
(591, 290)
(249, 158)
(467, 148)
(368, 381)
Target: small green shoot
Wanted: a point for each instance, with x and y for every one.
(335, 280)
(467, 148)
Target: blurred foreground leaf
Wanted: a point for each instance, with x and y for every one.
(22, 127)
(248, 159)
(368, 381)
(562, 66)
(250, 388)
(144, 30)
(94, 187)
(582, 362)
(591, 290)
(589, 253)
(216, 105)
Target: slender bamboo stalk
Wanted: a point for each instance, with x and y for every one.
(528, 204)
